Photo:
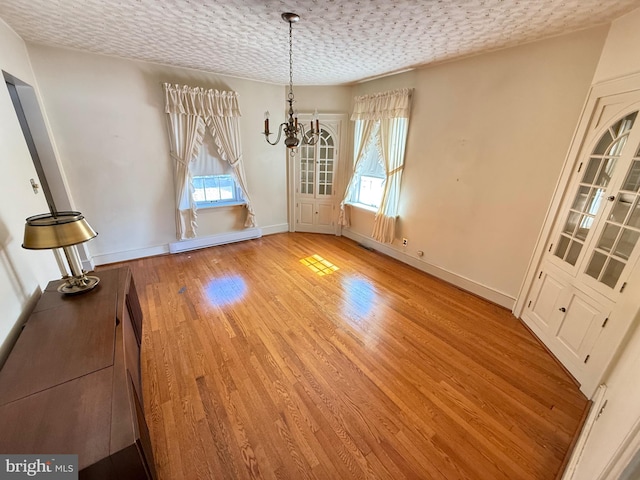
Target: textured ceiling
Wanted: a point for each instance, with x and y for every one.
(335, 42)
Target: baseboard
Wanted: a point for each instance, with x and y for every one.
(116, 257)
(88, 265)
(213, 240)
(464, 283)
(183, 246)
(272, 229)
(578, 448)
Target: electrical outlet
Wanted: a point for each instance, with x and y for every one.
(404, 242)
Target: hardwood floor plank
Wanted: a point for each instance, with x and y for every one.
(255, 367)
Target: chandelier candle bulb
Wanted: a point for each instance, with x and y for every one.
(266, 122)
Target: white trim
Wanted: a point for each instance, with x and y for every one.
(107, 258)
(213, 240)
(279, 228)
(213, 205)
(185, 245)
(467, 284)
(88, 265)
(362, 206)
(578, 450)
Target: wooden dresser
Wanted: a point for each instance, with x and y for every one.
(72, 384)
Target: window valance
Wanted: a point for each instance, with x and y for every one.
(390, 104)
(186, 100)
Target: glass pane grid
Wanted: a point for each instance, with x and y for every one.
(620, 234)
(589, 198)
(214, 189)
(307, 169)
(326, 152)
(632, 182)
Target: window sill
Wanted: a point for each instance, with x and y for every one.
(213, 206)
(362, 206)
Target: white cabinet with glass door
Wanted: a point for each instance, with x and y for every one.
(591, 249)
(315, 171)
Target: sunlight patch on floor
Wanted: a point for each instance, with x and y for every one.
(319, 265)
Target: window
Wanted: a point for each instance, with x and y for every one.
(370, 190)
(212, 180)
(211, 190)
(370, 179)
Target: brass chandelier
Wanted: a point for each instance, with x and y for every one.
(294, 131)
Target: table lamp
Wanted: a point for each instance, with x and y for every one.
(62, 230)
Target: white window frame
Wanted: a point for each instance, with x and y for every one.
(370, 173)
(237, 198)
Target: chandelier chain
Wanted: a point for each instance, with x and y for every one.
(290, 60)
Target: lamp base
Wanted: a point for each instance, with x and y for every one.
(77, 285)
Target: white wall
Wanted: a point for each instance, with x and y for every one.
(332, 99)
(107, 116)
(22, 272)
(620, 53)
(487, 138)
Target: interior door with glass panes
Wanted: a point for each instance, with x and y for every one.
(601, 227)
(316, 172)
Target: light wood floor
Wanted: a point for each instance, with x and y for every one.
(254, 366)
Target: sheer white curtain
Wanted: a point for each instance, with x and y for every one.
(361, 140)
(393, 138)
(190, 110)
(389, 112)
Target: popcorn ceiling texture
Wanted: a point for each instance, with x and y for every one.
(335, 42)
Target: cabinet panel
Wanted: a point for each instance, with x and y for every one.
(135, 311)
(544, 302)
(132, 352)
(568, 320)
(580, 326)
(306, 213)
(325, 214)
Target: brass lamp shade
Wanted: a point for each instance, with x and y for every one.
(64, 229)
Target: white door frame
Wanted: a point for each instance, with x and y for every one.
(341, 131)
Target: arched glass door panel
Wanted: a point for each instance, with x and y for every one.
(591, 190)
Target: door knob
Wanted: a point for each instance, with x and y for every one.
(611, 198)
(562, 309)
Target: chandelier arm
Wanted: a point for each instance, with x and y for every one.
(266, 135)
(312, 140)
